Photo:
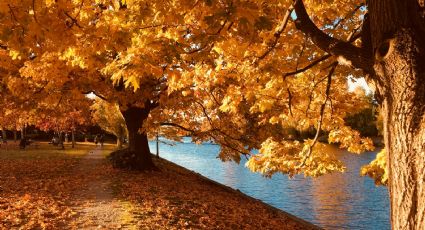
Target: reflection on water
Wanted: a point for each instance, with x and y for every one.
(337, 201)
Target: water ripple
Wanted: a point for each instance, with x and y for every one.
(338, 201)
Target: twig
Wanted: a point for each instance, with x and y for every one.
(322, 111)
(277, 34)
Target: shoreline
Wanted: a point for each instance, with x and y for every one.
(78, 188)
(236, 192)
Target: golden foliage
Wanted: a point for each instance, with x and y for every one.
(377, 169)
(108, 116)
(219, 70)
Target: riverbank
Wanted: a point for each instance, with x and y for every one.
(194, 201)
(55, 189)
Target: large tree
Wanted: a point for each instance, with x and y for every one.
(392, 55)
(245, 71)
(108, 116)
(294, 74)
(66, 49)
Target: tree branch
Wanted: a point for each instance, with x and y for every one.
(277, 34)
(322, 112)
(97, 95)
(177, 126)
(339, 22)
(309, 66)
(73, 20)
(333, 46)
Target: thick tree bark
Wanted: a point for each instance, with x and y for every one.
(398, 40)
(138, 141)
(404, 124)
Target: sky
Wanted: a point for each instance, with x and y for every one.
(353, 83)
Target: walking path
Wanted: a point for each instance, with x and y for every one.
(98, 207)
(77, 188)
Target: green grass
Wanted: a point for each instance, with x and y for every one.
(41, 150)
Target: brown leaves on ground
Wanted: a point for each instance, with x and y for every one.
(51, 194)
(175, 198)
(35, 193)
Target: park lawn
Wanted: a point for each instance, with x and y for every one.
(40, 150)
(48, 188)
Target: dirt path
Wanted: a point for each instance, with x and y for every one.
(48, 189)
(98, 208)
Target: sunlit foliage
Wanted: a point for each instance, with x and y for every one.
(108, 116)
(235, 72)
(377, 169)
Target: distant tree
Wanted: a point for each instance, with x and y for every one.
(364, 120)
(244, 67)
(108, 116)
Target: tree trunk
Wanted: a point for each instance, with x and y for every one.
(138, 141)
(22, 133)
(392, 53)
(398, 36)
(157, 145)
(15, 135)
(120, 136)
(4, 134)
(119, 142)
(404, 131)
(61, 144)
(73, 138)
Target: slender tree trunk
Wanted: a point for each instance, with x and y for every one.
(157, 145)
(61, 144)
(138, 141)
(22, 133)
(4, 134)
(15, 135)
(119, 142)
(73, 138)
(120, 136)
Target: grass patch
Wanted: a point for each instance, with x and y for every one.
(107, 149)
(43, 150)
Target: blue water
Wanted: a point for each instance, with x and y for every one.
(336, 201)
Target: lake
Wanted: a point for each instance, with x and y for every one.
(336, 201)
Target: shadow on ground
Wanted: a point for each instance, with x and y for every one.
(84, 191)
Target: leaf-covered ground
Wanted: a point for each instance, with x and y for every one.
(47, 188)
